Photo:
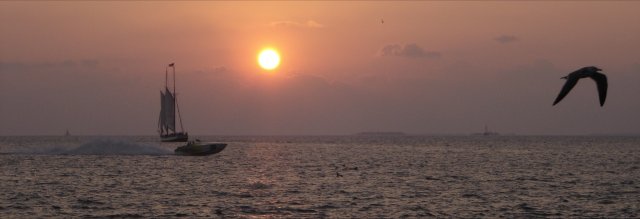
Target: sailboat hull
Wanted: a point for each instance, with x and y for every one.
(200, 149)
(175, 137)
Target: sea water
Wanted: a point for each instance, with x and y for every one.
(322, 177)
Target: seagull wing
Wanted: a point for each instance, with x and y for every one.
(601, 80)
(571, 82)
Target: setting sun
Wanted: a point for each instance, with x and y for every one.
(269, 59)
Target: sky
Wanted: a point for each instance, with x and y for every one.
(97, 68)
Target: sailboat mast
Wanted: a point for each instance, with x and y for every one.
(162, 122)
(176, 97)
(174, 78)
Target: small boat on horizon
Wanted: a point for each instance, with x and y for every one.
(487, 132)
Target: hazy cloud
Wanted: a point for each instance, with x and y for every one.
(294, 24)
(46, 67)
(410, 50)
(506, 39)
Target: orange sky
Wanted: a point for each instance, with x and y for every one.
(431, 67)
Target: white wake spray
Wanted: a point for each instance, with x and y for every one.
(114, 147)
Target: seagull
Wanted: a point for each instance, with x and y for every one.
(591, 72)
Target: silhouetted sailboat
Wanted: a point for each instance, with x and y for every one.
(487, 132)
(168, 106)
(167, 124)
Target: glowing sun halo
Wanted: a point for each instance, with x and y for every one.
(269, 59)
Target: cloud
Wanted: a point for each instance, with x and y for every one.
(47, 67)
(410, 50)
(506, 39)
(296, 25)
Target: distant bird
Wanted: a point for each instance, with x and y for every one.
(591, 72)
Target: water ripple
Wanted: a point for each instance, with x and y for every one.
(328, 177)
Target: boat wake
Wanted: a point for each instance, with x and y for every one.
(116, 147)
(103, 147)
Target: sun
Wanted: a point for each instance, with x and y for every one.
(269, 59)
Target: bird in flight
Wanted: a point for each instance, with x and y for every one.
(591, 72)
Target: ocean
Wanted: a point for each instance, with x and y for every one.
(322, 177)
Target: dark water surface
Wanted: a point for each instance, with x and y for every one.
(322, 177)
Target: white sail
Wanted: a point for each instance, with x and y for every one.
(169, 111)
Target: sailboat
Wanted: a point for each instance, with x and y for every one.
(167, 124)
(168, 106)
(487, 132)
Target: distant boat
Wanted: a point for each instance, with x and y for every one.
(196, 148)
(168, 106)
(487, 132)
